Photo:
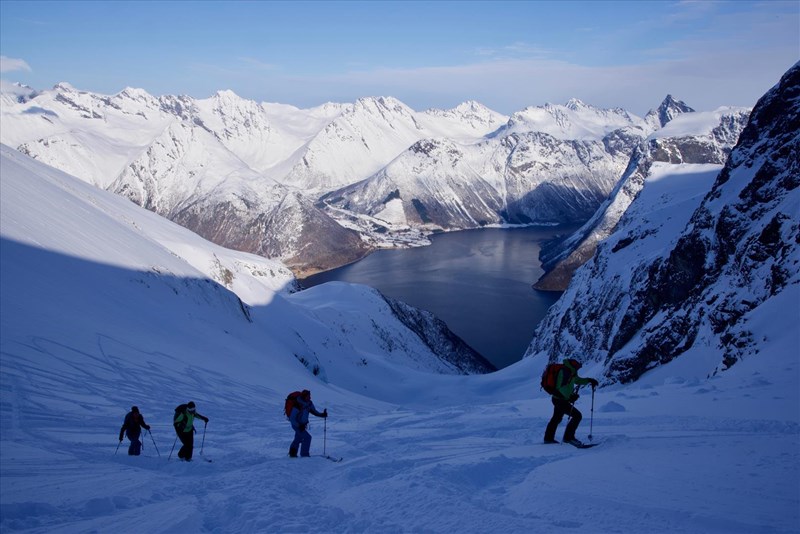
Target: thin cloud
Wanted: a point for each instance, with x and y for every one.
(256, 63)
(687, 10)
(518, 50)
(705, 82)
(9, 64)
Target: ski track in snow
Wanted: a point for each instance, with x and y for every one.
(461, 468)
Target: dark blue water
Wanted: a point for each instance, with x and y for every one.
(476, 281)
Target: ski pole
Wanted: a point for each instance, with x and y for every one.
(173, 448)
(154, 442)
(204, 438)
(118, 444)
(325, 437)
(591, 420)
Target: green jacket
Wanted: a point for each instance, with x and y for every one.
(567, 379)
(184, 421)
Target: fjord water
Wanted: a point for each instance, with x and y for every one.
(476, 281)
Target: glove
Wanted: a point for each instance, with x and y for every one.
(574, 397)
(325, 413)
(594, 383)
(302, 428)
(147, 427)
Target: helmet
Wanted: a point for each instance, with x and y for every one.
(575, 364)
(135, 409)
(306, 394)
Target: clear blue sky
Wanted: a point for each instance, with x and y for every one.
(507, 55)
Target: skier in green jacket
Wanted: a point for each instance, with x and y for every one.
(185, 414)
(564, 399)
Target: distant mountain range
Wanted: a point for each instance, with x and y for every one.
(322, 187)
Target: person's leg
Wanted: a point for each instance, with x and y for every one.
(305, 446)
(572, 426)
(298, 438)
(187, 441)
(136, 446)
(552, 426)
(189, 446)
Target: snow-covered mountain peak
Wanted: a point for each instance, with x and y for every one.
(701, 123)
(576, 120)
(232, 116)
(135, 93)
(330, 109)
(472, 114)
(65, 87)
(227, 94)
(386, 106)
(668, 110)
(576, 104)
(15, 93)
(134, 100)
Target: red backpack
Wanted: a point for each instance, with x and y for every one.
(549, 376)
(291, 402)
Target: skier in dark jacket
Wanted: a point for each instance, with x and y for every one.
(132, 427)
(298, 417)
(183, 422)
(564, 399)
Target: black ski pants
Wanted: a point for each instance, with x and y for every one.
(187, 440)
(560, 409)
(135, 447)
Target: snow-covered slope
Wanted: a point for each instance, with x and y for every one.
(690, 273)
(143, 259)
(688, 138)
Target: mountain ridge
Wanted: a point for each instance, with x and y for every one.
(196, 160)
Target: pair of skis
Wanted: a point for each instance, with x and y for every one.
(580, 445)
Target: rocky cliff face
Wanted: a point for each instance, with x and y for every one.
(435, 335)
(694, 138)
(663, 282)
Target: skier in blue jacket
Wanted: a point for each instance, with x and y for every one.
(298, 417)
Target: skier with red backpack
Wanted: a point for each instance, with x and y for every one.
(562, 381)
(298, 407)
